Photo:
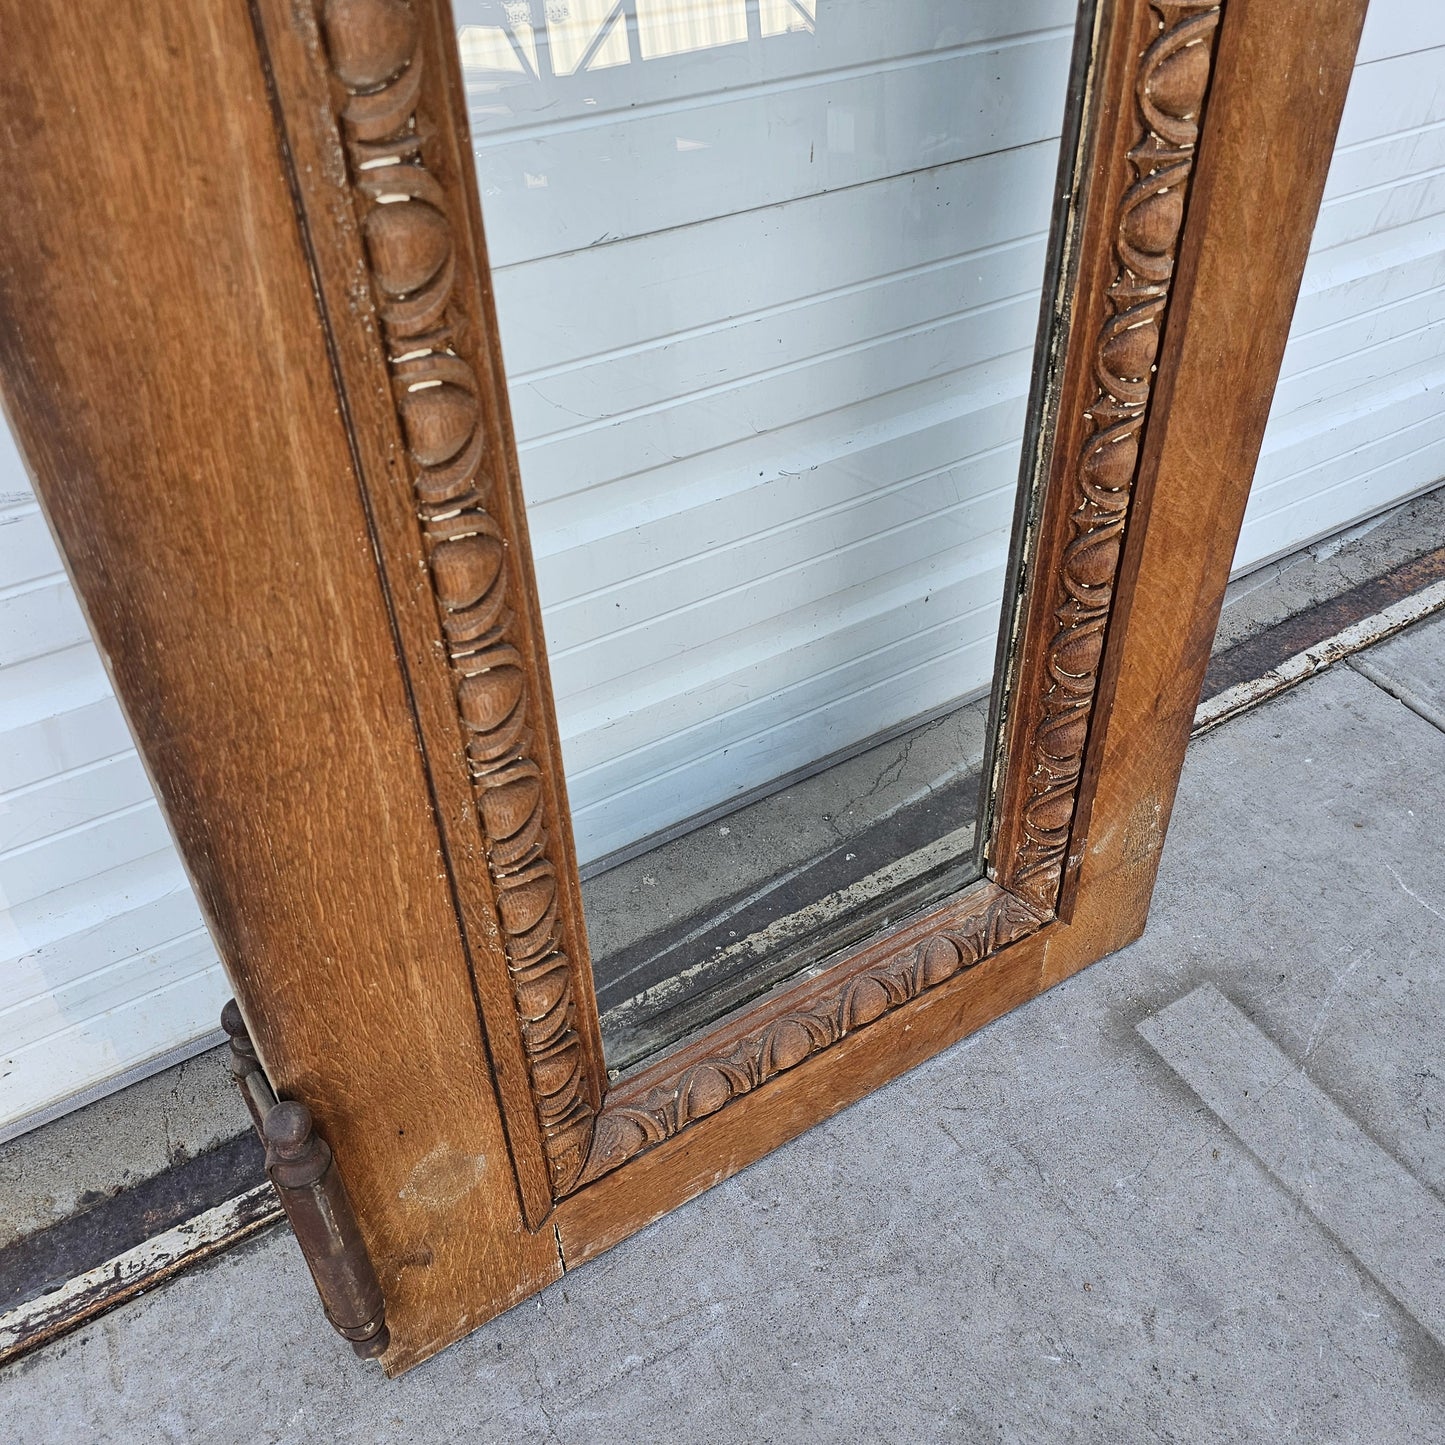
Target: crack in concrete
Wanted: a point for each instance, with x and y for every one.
(1410, 892)
(895, 768)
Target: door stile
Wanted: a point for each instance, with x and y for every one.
(167, 375)
(1148, 99)
(376, 136)
(1282, 71)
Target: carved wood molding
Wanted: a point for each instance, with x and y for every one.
(801, 1022)
(1170, 86)
(406, 214)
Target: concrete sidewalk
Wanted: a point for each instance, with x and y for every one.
(1044, 1234)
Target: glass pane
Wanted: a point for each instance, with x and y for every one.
(768, 275)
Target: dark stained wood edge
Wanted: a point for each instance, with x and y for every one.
(381, 167)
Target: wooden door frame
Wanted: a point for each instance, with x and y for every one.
(407, 944)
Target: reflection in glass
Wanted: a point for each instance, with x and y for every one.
(768, 277)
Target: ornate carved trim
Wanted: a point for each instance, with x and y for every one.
(406, 218)
(799, 1024)
(405, 212)
(1169, 91)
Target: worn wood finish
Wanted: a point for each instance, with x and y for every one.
(118, 1278)
(166, 372)
(1282, 70)
(375, 131)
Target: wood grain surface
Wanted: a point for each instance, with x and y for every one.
(1282, 70)
(1148, 99)
(167, 375)
(408, 278)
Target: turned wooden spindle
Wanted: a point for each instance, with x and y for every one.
(303, 1172)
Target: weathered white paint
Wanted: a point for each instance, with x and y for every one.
(1303, 665)
(695, 606)
(26, 1326)
(104, 963)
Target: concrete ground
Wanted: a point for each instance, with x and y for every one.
(1194, 1194)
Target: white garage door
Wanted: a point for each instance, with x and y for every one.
(1359, 418)
(104, 965)
(768, 281)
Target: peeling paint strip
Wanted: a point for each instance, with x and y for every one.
(1312, 625)
(41, 1320)
(1312, 660)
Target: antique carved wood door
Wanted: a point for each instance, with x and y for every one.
(248, 342)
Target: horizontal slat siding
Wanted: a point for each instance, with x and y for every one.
(37, 618)
(768, 311)
(1358, 422)
(658, 169)
(27, 552)
(105, 964)
(31, 1024)
(137, 1035)
(68, 933)
(506, 101)
(71, 800)
(56, 713)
